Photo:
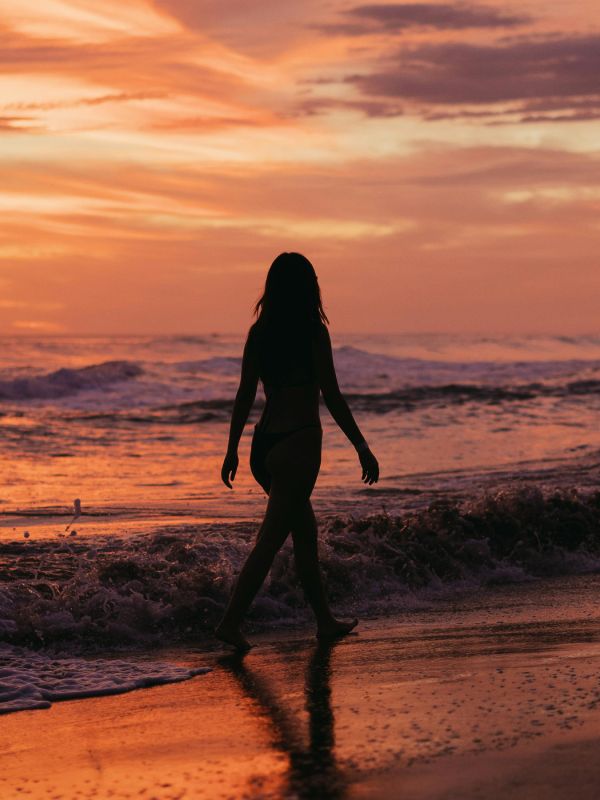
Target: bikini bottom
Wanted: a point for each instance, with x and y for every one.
(262, 442)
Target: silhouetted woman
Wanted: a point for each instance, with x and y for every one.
(289, 349)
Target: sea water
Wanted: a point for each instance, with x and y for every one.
(140, 423)
(488, 448)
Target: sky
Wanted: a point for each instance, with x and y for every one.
(438, 162)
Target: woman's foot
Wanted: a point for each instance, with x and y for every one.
(335, 628)
(232, 636)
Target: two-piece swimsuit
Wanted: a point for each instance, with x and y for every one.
(263, 441)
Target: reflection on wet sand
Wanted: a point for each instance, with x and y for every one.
(312, 767)
(469, 700)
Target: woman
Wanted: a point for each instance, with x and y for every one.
(289, 349)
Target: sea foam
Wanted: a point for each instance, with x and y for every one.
(66, 381)
(31, 680)
(174, 583)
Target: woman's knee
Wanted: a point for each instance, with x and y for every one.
(268, 543)
(304, 524)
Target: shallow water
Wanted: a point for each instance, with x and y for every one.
(171, 583)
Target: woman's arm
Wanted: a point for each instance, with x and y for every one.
(338, 407)
(244, 400)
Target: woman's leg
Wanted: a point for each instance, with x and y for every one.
(294, 465)
(273, 533)
(306, 553)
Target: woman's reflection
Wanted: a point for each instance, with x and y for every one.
(313, 771)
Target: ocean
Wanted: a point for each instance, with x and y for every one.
(489, 455)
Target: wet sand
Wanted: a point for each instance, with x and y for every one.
(497, 696)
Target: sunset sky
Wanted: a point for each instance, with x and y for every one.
(438, 162)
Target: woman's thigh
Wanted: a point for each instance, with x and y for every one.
(294, 464)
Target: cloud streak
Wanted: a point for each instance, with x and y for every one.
(399, 17)
(115, 97)
(560, 70)
(23, 124)
(179, 144)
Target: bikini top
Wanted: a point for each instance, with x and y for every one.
(286, 362)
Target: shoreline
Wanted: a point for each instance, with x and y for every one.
(477, 694)
(164, 585)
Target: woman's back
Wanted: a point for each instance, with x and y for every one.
(285, 357)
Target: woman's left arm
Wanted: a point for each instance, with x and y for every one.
(244, 401)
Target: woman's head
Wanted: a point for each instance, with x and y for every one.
(291, 291)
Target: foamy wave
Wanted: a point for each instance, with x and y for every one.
(453, 394)
(359, 369)
(175, 583)
(408, 399)
(65, 382)
(190, 391)
(30, 680)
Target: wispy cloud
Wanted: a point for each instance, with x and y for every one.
(38, 326)
(561, 70)
(113, 97)
(23, 124)
(398, 17)
(178, 145)
(313, 106)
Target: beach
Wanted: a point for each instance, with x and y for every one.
(473, 566)
(491, 698)
(227, 225)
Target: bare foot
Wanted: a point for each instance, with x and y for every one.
(232, 636)
(335, 629)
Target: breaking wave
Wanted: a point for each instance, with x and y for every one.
(174, 583)
(453, 394)
(190, 391)
(409, 399)
(65, 382)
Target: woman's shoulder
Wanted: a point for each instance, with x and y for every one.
(253, 337)
(255, 330)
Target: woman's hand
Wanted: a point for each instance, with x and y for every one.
(370, 467)
(229, 468)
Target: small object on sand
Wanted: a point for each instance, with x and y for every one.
(76, 512)
(26, 534)
(73, 533)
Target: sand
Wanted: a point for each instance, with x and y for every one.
(493, 697)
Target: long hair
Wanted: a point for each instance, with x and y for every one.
(291, 292)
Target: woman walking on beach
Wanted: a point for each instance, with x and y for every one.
(289, 349)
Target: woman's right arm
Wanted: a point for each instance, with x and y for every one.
(244, 401)
(338, 407)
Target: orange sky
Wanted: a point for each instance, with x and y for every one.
(438, 162)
